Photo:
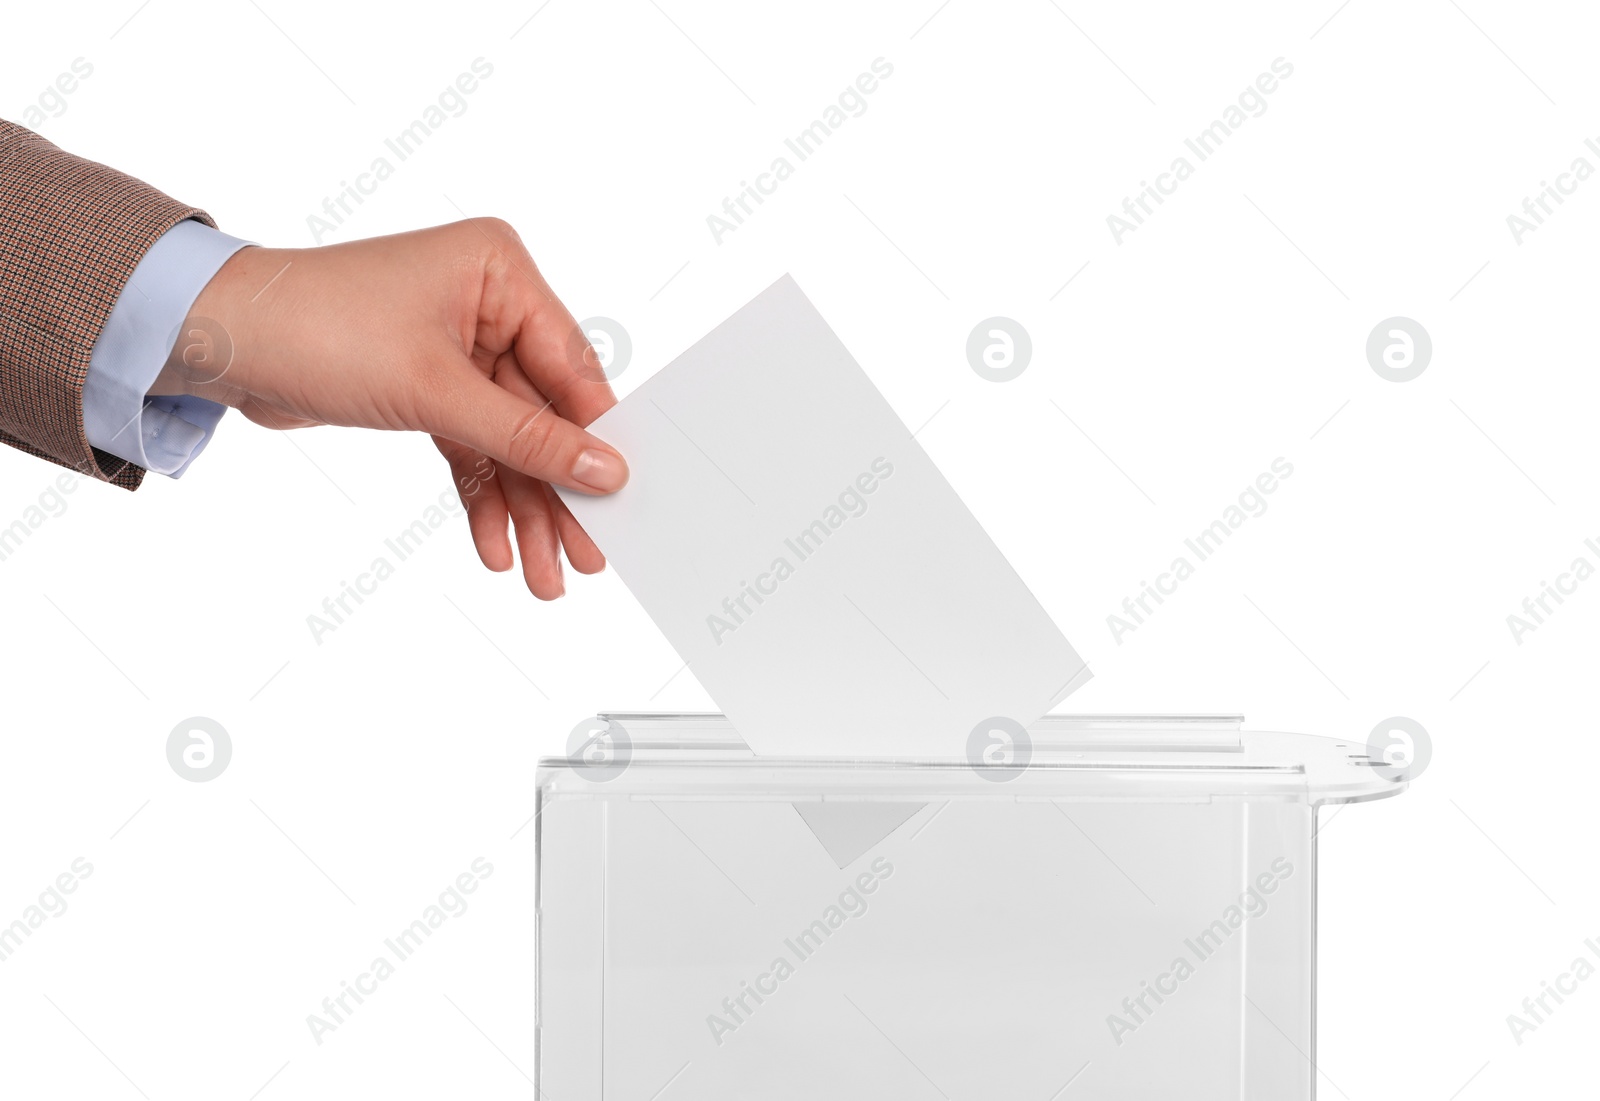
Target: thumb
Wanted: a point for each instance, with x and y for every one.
(529, 437)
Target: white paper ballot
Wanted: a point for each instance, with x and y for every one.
(806, 558)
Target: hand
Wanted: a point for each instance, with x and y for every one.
(450, 331)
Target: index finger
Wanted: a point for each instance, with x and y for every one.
(550, 347)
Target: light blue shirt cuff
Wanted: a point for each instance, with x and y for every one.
(161, 434)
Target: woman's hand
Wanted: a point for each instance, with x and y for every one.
(450, 331)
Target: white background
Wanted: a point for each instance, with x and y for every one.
(370, 770)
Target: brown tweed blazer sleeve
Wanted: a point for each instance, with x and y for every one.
(71, 233)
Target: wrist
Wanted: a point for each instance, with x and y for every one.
(209, 350)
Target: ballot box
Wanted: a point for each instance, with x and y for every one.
(1087, 908)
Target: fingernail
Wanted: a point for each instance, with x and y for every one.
(600, 470)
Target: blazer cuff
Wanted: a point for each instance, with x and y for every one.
(71, 233)
(162, 434)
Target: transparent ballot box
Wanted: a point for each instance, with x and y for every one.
(1088, 909)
